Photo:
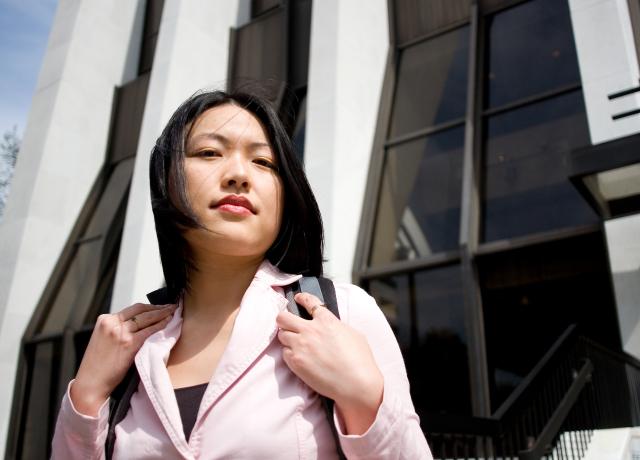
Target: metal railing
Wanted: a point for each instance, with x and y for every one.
(578, 386)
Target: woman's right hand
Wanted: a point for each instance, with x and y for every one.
(113, 345)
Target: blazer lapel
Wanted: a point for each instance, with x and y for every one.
(151, 362)
(254, 329)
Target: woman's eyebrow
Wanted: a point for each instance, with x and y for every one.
(226, 141)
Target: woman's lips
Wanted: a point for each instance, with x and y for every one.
(235, 204)
(234, 209)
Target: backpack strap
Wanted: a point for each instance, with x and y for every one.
(324, 290)
(120, 399)
(119, 404)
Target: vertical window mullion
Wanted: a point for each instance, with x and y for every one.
(469, 222)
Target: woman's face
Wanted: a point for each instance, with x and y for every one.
(232, 184)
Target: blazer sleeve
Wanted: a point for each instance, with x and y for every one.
(395, 432)
(78, 436)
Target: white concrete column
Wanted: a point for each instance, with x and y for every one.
(608, 64)
(623, 246)
(349, 43)
(192, 53)
(93, 47)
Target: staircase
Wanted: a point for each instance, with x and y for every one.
(576, 392)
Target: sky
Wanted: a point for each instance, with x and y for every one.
(24, 31)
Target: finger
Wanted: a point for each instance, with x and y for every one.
(286, 338)
(144, 334)
(134, 310)
(311, 303)
(149, 318)
(290, 322)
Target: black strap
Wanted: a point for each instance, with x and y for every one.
(324, 290)
(121, 397)
(119, 404)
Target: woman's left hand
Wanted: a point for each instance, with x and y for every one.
(333, 359)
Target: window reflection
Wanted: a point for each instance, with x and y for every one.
(526, 166)
(419, 205)
(531, 50)
(432, 83)
(393, 298)
(439, 370)
(426, 310)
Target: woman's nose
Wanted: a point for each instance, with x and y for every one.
(236, 174)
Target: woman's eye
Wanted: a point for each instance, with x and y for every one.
(266, 163)
(207, 153)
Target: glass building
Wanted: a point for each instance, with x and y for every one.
(476, 162)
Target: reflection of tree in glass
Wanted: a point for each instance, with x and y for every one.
(9, 147)
(442, 385)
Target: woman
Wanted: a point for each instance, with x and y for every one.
(226, 371)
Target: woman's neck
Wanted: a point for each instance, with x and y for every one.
(217, 287)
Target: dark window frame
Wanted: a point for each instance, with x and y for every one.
(471, 207)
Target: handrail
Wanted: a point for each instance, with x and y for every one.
(511, 403)
(494, 424)
(621, 356)
(552, 427)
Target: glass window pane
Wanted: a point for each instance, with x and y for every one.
(80, 281)
(431, 85)
(530, 50)
(426, 311)
(111, 199)
(526, 165)
(419, 206)
(441, 345)
(392, 296)
(416, 18)
(43, 367)
(543, 289)
(127, 118)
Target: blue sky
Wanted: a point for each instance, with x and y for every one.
(24, 31)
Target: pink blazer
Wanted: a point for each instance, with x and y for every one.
(254, 406)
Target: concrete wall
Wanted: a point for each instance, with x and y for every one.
(192, 53)
(623, 242)
(346, 69)
(93, 47)
(608, 64)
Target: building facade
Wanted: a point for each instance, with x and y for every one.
(476, 163)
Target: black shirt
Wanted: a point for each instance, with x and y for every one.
(189, 399)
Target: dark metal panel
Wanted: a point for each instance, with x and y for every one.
(151, 28)
(299, 39)
(259, 55)
(259, 7)
(127, 118)
(415, 18)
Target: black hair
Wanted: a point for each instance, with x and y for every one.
(299, 244)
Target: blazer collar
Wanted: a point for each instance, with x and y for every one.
(266, 272)
(254, 329)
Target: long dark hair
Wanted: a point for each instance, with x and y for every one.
(299, 244)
